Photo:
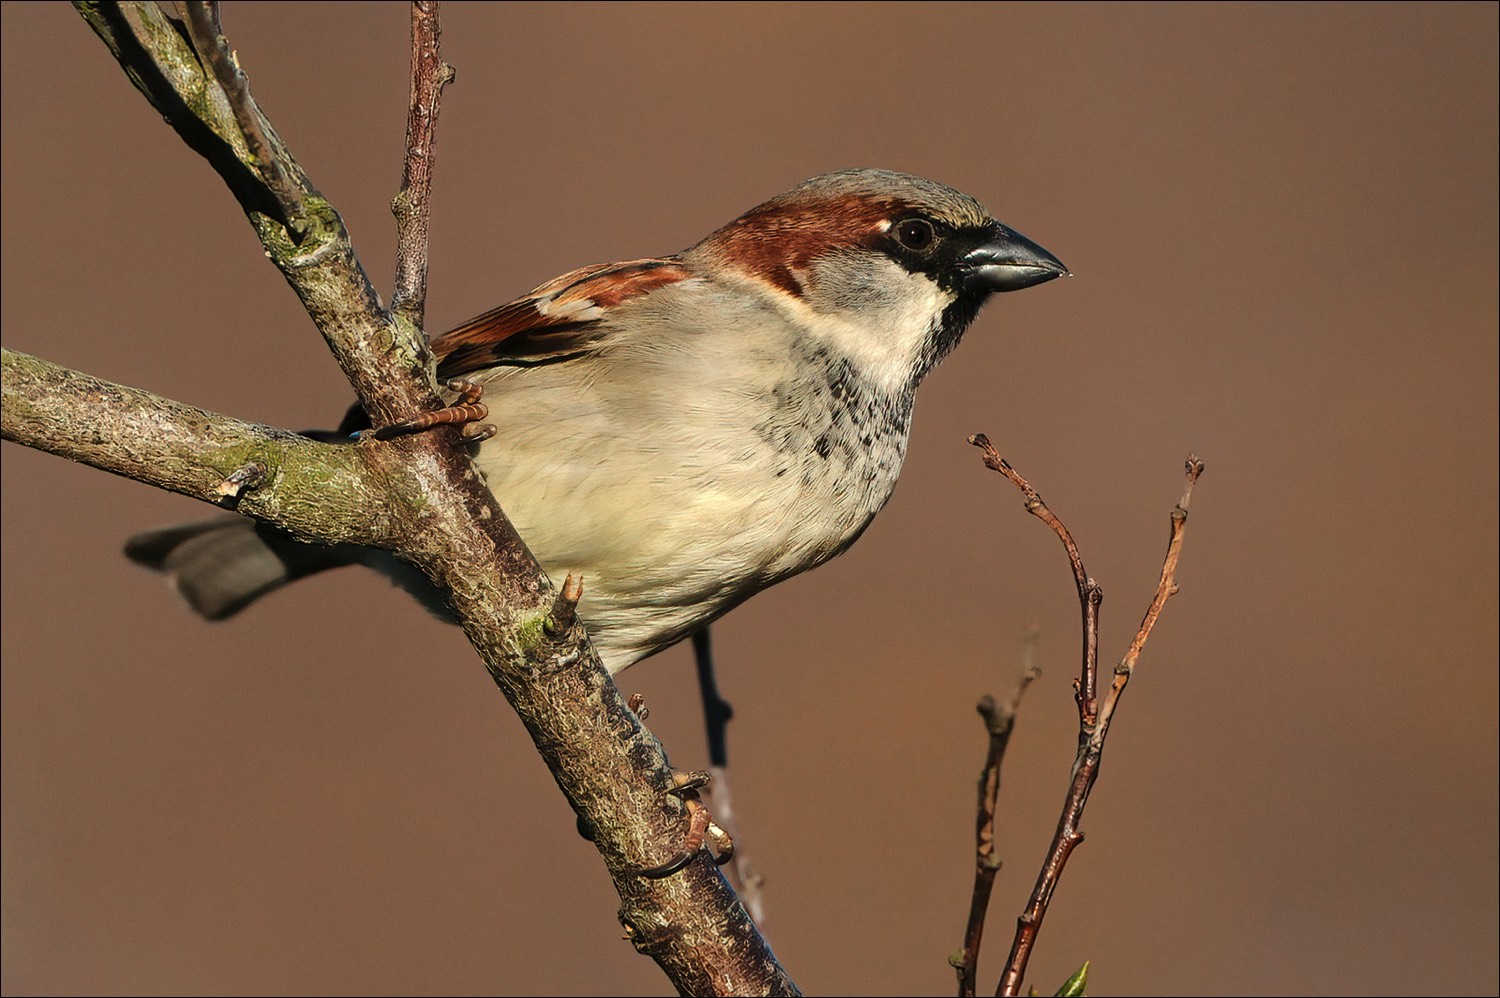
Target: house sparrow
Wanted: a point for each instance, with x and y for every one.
(683, 432)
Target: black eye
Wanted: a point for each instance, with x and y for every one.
(915, 233)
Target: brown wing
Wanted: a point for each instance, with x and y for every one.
(556, 322)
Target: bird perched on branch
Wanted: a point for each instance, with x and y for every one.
(685, 431)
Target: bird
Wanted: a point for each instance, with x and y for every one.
(682, 432)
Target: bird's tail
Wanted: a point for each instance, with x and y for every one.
(220, 566)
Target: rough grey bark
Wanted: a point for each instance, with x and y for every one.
(417, 495)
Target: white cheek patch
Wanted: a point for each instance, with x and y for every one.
(888, 337)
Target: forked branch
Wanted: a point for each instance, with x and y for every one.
(1094, 714)
(429, 505)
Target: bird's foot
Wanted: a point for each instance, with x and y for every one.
(701, 828)
(465, 412)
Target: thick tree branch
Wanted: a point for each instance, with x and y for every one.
(611, 769)
(315, 490)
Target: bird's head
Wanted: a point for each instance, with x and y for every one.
(888, 268)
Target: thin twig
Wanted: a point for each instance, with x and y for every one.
(717, 713)
(1166, 588)
(1093, 718)
(1089, 593)
(748, 882)
(411, 205)
(212, 47)
(999, 720)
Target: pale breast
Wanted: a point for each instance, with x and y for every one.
(679, 479)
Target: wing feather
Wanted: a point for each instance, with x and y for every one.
(555, 322)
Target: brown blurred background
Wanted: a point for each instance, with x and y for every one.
(1283, 225)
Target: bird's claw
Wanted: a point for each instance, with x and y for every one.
(465, 412)
(701, 828)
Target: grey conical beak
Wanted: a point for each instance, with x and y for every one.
(1009, 262)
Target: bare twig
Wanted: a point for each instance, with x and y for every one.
(747, 879)
(1093, 717)
(999, 720)
(717, 713)
(1089, 593)
(1166, 588)
(213, 49)
(429, 74)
